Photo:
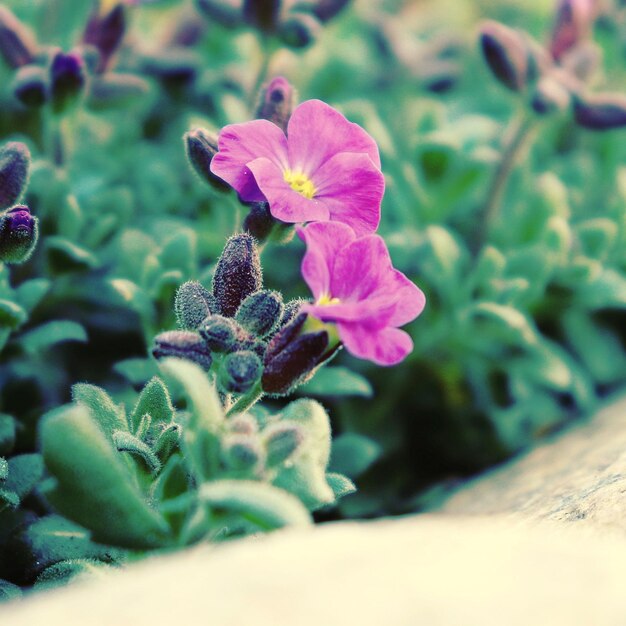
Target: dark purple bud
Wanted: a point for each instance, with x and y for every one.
(228, 13)
(201, 147)
(239, 372)
(261, 312)
(67, 80)
(14, 169)
(238, 273)
(291, 358)
(600, 112)
(262, 14)
(325, 10)
(573, 23)
(30, 86)
(182, 344)
(291, 310)
(277, 99)
(506, 54)
(299, 29)
(18, 235)
(193, 304)
(175, 67)
(222, 334)
(17, 44)
(259, 221)
(105, 32)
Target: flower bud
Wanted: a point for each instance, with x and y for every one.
(281, 442)
(105, 32)
(17, 44)
(573, 23)
(193, 304)
(259, 221)
(175, 67)
(550, 96)
(601, 112)
(19, 232)
(291, 310)
(262, 14)
(277, 99)
(242, 452)
(506, 54)
(239, 371)
(260, 312)
(201, 147)
(324, 10)
(243, 424)
(291, 357)
(115, 89)
(67, 80)
(14, 166)
(222, 334)
(238, 273)
(182, 344)
(224, 12)
(299, 29)
(30, 86)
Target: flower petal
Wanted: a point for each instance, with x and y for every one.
(352, 189)
(317, 132)
(323, 240)
(285, 203)
(387, 346)
(238, 144)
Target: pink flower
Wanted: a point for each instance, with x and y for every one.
(325, 168)
(357, 289)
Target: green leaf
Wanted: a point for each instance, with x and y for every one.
(597, 237)
(337, 381)
(352, 454)
(136, 371)
(9, 591)
(105, 412)
(154, 401)
(516, 326)
(66, 256)
(608, 290)
(25, 471)
(12, 314)
(4, 469)
(180, 252)
(65, 571)
(95, 488)
(49, 334)
(30, 293)
(132, 296)
(266, 506)
(125, 442)
(7, 433)
(340, 484)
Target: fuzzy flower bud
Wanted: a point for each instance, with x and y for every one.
(201, 147)
(17, 44)
(14, 166)
(506, 54)
(238, 273)
(105, 32)
(262, 14)
(182, 344)
(224, 12)
(261, 312)
(30, 86)
(277, 99)
(601, 112)
(193, 304)
(242, 452)
(239, 371)
(299, 29)
(222, 334)
(18, 235)
(67, 80)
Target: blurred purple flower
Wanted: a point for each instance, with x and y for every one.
(356, 288)
(326, 168)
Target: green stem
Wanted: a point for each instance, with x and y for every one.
(246, 402)
(519, 133)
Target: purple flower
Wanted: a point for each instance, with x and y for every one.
(326, 168)
(356, 288)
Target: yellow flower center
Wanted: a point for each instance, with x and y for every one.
(300, 182)
(326, 300)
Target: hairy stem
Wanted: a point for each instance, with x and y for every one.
(247, 401)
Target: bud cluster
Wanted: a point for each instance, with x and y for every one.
(555, 77)
(242, 332)
(18, 228)
(296, 24)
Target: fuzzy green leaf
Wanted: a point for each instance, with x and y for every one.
(49, 334)
(337, 381)
(105, 412)
(125, 442)
(352, 454)
(12, 314)
(154, 401)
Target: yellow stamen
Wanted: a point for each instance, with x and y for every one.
(300, 182)
(327, 300)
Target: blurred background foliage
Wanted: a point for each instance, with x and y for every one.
(524, 326)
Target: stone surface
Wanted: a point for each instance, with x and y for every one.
(431, 570)
(579, 477)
